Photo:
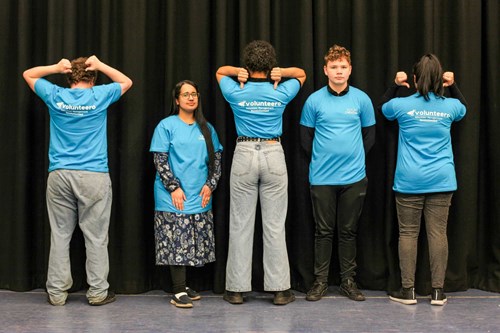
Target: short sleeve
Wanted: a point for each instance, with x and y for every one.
(161, 139)
(308, 116)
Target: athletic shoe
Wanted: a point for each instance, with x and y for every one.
(233, 297)
(283, 297)
(318, 290)
(181, 300)
(404, 296)
(194, 295)
(438, 297)
(54, 303)
(350, 289)
(110, 298)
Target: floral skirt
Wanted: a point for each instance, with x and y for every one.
(184, 239)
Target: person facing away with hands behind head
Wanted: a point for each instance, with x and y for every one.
(78, 185)
(425, 178)
(258, 169)
(337, 132)
(187, 156)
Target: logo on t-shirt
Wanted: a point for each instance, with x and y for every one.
(428, 116)
(75, 110)
(259, 106)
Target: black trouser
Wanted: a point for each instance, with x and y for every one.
(178, 275)
(339, 205)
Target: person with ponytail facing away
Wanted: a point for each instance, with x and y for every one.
(425, 178)
(187, 157)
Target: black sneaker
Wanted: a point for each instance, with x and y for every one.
(318, 290)
(194, 295)
(233, 297)
(404, 296)
(110, 298)
(438, 297)
(181, 300)
(350, 289)
(283, 297)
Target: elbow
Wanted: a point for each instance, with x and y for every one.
(126, 85)
(26, 75)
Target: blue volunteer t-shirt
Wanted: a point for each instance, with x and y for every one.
(258, 107)
(425, 156)
(338, 156)
(188, 159)
(78, 125)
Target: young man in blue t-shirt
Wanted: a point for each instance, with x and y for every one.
(78, 186)
(337, 131)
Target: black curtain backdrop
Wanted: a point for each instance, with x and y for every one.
(159, 42)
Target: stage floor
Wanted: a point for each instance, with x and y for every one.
(470, 311)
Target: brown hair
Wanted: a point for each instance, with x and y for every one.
(337, 52)
(78, 72)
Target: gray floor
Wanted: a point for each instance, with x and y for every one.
(471, 311)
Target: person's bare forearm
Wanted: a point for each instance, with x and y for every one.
(227, 71)
(95, 64)
(294, 72)
(33, 74)
(114, 74)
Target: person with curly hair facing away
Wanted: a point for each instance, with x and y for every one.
(258, 99)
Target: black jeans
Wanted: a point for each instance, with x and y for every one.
(339, 205)
(435, 208)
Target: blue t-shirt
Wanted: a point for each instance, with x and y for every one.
(188, 159)
(78, 125)
(425, 156)
(258, 107)
(338, 155)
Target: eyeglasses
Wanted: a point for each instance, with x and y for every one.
(187, 95)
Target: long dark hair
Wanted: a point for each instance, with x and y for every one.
(199, 118)
(429, 76)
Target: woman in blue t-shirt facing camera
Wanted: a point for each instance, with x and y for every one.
(425, 172)
(187, 157)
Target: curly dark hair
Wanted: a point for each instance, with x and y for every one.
(78, 72)
(259, 56)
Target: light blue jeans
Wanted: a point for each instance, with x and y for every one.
(82, 197)
(258, 170)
